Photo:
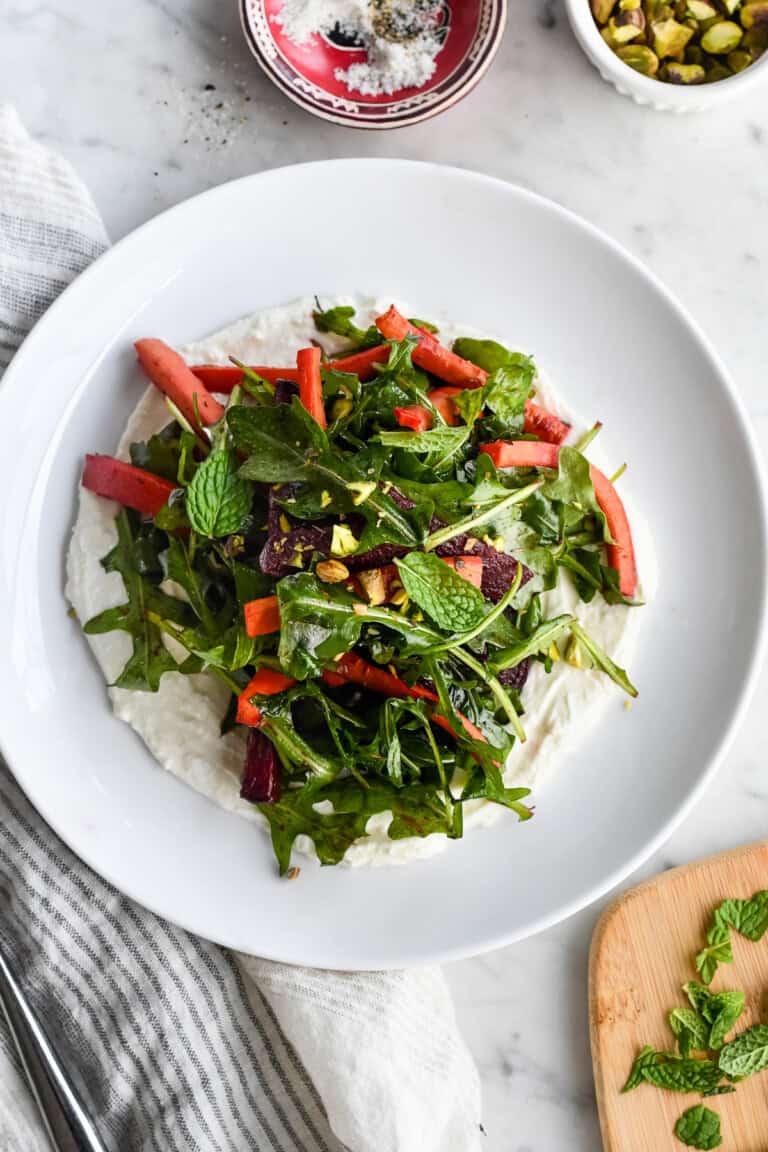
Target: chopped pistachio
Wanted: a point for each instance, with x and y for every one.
(374, 585)
(325, 498)
(739, 60)
(399, 597)
(601, 10)
(285, 524)
(721, 38)
(701, 9)
(755, 41)
(360, 609)
(684, 73)
(639, 57)
(332, 572)
(630, 5)
(573, 654)
(717, 72)
(341, 408)
(730, 5)
(623, 27)
(669, 37)
(361, 490)
(343, 541)
(554, 652)
(755, 15)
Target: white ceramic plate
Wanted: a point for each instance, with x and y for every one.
(614, 342)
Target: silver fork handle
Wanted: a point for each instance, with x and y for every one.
(66, 1122)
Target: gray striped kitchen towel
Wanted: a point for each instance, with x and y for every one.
(173, 1042)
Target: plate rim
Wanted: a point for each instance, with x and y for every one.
(37, 797)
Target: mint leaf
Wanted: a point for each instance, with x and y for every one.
(218, 500)
(748, 917)
(720, 1090)
(699, 1127)
(691, 1030)
(747, 1054)
(683, 1075)
(726, 1008)
(443, 441)
(718, 951)
(645, 1057)
(450, 600)
(700, 998)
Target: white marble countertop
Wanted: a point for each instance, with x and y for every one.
(122, 91)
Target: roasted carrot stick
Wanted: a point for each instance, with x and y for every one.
(130, 486)
(169, 372)
(311, 383)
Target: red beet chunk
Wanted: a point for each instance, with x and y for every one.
(262, 780)
(515, 677)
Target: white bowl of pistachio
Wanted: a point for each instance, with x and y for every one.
(675, 55)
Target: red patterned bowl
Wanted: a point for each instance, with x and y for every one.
(307, 72)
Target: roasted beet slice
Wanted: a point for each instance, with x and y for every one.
(262, 781)
(499, 571)
(288, 552)
(376, 557)
(515, 677)
(285, 390)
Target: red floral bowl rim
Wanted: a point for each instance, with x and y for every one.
(358, 114)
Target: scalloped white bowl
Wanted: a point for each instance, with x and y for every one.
(656, 93)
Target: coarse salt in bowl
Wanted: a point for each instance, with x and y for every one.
(328, 72)
(658, 94)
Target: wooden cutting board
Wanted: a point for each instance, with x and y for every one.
(642, 952)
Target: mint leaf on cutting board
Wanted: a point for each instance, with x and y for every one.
(218, 500)
(691, 1030)
(725, 1009)
(747, 1053)
(699, 1127)
(683, 1075)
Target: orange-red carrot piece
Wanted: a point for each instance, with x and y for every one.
(415, 417)
(130, 486)
(535, 454)
(544, 424)
(169, 372)
(262, 616)
(311, 383)
(470, 567)
(430, 354)
(222, 378)
(266, 682)
(352, 669)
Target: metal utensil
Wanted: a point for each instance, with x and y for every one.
(65, 1119)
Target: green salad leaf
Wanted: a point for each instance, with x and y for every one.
(218, 500)
(699, 1127)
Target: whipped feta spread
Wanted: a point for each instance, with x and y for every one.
(180, 723)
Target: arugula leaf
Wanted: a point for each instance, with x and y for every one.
(340, 321)
(132, 557)
(318, 622)
(691, 1030)
(488, 354)
(602, 661)
(281, 441)
(179, 568)
(573, 487)
(699, 1127)
(160, 454)
(644, 1058)
(450, 600)
(747, 1053)
(539, 641)
(218, 500)
(417, 810)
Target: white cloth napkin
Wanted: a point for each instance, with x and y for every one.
(175, 1043)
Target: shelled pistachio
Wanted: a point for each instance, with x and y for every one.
(684, 41)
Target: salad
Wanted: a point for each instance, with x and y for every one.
(359, 550)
